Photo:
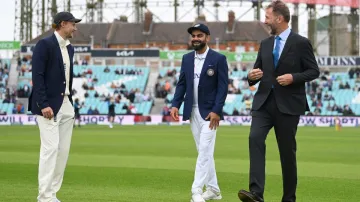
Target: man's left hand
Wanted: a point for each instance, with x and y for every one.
(214, 120)
(285, 79)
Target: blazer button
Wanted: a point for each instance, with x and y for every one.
(62, 94)
(64, 82)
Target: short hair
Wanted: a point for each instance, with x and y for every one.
(280, 8)
(56, 26)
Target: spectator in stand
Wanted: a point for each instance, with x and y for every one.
(317, 111)
(248, 103)
(133, 109)
(347, 111)
(90, 111)
(351, 73)
(19, 109)
(131, 96)
(95, 80)
(85, 86)
(232, 89)
(357, 88)
(166, 111)
(138, 96)
(96, 112)
(167, 87)
(7, 99)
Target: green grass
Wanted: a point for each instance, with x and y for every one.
(156, 163)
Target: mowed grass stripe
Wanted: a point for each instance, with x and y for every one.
(84, 183)
(333, 170)
(321, 145)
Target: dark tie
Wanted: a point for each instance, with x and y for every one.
(276, 52)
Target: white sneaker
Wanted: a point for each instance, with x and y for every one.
(210, 194)
(197, 198)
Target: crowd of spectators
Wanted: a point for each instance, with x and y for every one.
(166, 86)
(314, 89)
(121, 94)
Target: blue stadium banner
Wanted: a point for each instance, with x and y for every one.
(125, 53)
(77, 48)
(338, 61)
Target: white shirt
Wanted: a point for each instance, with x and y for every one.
(65, 55)
(284, 35)
(199, 63)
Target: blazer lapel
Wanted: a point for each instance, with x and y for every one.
(286, 49)
(69, 49)
(59, 55)
(206, 64)
(269, 49)
(71, 56)
(191, 66)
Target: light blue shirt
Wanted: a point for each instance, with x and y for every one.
(284, 35)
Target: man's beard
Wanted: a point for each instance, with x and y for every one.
(199, 46)
(69, 35)
(273, 30)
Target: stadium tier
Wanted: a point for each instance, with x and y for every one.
(5, 99)
(336, 90)
(95, 85)
(109, 83)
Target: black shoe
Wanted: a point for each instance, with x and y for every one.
(246, 196)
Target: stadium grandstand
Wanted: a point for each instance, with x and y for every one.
(138, 89)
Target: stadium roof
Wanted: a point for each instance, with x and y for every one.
(122, 33)
(82, 35)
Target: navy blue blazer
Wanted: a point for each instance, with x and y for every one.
(48, 76)
(212, 89)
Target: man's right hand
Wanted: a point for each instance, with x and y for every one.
(47, 113)
(255, 74)
(174, 113)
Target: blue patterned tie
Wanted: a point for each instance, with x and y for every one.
(276, 51)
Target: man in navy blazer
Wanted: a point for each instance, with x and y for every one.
(203, 87)
(51, 101)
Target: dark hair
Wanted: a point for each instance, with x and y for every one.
(280, 8)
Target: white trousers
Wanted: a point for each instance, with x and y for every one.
(205, 173)
(55, 138)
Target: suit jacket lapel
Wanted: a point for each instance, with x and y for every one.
(69, 49)
(269, 49)
(286, 49)
(191, 65)
(206, 63)
(59, 55)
